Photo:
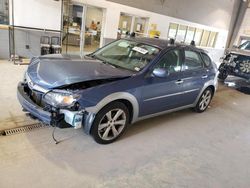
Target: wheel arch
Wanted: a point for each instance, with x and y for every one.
(210, 84)
(212, 88)
(126, 98)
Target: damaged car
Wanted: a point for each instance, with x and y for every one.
(236, 62)
(125, 81)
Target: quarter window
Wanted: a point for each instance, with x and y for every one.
(171, 61)
(206, 59)
(192, 60)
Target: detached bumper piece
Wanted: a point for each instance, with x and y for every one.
(58, 118)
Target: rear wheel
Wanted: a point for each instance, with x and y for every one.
(110, 123)
(204, 100)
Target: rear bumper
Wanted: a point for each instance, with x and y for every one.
(31, 107)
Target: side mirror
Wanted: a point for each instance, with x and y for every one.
(160, 72)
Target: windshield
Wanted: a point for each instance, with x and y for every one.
(245, 46)
(127, 54)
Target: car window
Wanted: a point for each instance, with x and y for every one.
(245, 46)
(130, 55)
(171, 61)
(248, 46)
(192, 60)
(206, 59)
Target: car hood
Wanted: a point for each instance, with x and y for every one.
(56, 71)
(238, 51)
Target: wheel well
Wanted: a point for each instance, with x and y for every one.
(129, 106)
(212, 88)
(127, 103)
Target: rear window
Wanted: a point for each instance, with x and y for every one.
(192, 60)
(206, 59)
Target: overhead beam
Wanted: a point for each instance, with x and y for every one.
(236, 21)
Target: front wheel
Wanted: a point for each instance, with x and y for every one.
(223, 73)
(204, 100)
(110, 123)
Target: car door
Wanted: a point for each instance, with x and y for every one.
(162, 93)
(194, 75)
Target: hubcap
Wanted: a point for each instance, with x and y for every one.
(205, 100)
(112, 124)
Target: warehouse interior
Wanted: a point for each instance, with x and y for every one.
(179, 149)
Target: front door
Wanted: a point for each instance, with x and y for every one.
(161, 94)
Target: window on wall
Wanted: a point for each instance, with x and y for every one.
(4, 11)
(172, 30)
(205, 37)
(197, 36)
(190, 35)
(125, 23)
(182, 33)
(212, 39)
(140, 25)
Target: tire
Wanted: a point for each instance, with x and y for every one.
(110, 123)
(223, 73)
(204, 100)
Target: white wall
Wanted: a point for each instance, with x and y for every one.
(215, 13)
(38, 13)
(113, 11)
(46, 14)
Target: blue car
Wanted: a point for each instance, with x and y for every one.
(124, 82)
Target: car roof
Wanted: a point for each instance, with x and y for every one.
(162, 43)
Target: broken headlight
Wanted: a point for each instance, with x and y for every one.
(61, 99)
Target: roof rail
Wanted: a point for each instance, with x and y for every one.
(171, 41)
(192, 43)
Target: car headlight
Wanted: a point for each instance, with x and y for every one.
(60, 99)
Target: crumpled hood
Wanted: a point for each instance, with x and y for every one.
(60, 71)
(238, 51)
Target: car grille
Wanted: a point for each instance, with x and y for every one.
(35, 96)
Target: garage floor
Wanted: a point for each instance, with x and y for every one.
(182, 149)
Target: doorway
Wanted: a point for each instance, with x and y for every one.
(130, 23)
(82, 28)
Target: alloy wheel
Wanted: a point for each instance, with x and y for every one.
(205, 100)
(112, 124)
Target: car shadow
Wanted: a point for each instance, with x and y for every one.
(155, 122)
(240, 84)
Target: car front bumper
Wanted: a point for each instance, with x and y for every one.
(62, 118)
(31, 107)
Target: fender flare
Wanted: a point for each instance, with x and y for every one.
(93, 110)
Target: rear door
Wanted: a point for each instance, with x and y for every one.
(194, 75)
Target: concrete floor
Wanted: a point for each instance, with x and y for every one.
(182, 149)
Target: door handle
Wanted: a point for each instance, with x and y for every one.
(179, 82)
(204, 76)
